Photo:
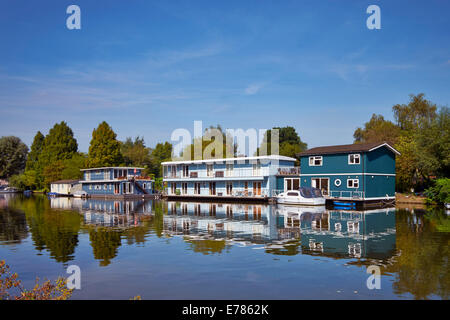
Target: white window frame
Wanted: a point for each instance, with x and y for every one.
(313, 159)
(355, 156)
(353, 183)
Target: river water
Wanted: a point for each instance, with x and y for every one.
(192, 250)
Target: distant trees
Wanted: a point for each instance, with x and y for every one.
(214, 139)
(135, 152)
(290, 143)
(376, 130)
(421, 133)
(53, 157)
(13, 156)
(104, 150)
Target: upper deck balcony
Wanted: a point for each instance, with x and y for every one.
(217, 173)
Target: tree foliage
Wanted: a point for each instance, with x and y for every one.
(162, 152)
(13, 156)
(377, 130)
(290, 143)
(104, 150)
(59, 144)
(135, 152)
(214, 140)
(420, 133)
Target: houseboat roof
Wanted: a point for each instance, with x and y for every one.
(269, 157)
(64, 182)
(347, 148)
(102, 168)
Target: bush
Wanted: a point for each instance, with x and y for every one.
(440, 192)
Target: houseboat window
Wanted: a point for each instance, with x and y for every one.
(354, 158)
(229, 169)
(315, 161)
(257, 169)
(185, 171)
(174, 187)
(184, 187)
(90, 187)
(352, 183)
(105, 186)
(197, 188)
(292, 194)
(144, 186)
(209, 170)
(229, 188)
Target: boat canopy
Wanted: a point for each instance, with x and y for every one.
(307, 192)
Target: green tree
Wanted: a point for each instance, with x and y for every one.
(162, 152)
(135, 153)
(35, 152)
(104, 150)
(13, 156)
(415, 114)
(209, 144)
(377, 130)
(59, 144)
(290, 143)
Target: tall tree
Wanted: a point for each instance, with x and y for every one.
(104, 149)
(13, 156)
(377, 130)
(35, 152)
(290, 143)
(210, 144)
(162, 152)
(59, 144)
(135, 152)
(415, 114)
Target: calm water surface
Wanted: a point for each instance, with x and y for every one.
(187, 250)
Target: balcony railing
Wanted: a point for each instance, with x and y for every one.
(347, 194)
(288, 171)
(235, 173)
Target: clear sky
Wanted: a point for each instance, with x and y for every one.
(149, 67)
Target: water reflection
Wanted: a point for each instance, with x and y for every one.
(410, 245)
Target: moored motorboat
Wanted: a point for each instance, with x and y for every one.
(302, 196)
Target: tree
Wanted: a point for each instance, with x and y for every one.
(210, 144)
(13, 156)
(377, 130)
(162, 152)
(135, 153)
(104, 150)
(59, 144)
(290, 143)
(35, 152)
(415, 114)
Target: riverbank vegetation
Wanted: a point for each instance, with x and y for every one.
(421, 133)
(11, 287)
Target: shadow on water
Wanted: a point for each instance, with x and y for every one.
(409, 245)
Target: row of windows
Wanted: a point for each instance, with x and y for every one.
(110, 186)
(318, 160)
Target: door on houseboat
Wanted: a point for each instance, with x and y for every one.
(321, 183)
(212, 188)
(246, 188)
(256, 188)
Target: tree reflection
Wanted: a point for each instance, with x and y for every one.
(104, 242)
(54, 231)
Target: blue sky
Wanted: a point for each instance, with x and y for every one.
(149, 67)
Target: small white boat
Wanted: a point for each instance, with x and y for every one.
(303, 196)
(80, 194)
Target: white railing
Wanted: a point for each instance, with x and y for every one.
(235, 173)
(347, 194)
